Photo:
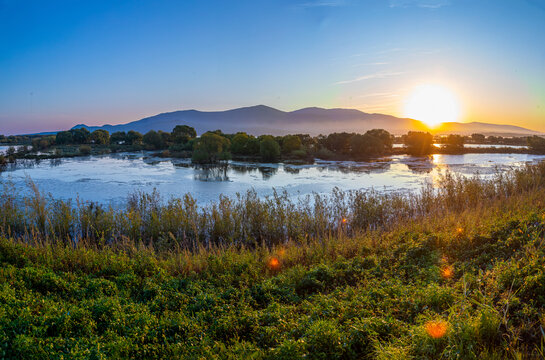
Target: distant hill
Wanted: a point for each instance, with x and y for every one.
(263, 119)
(484, 128)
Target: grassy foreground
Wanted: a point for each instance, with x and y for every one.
(465, 281)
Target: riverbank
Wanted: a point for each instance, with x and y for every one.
(462, 278)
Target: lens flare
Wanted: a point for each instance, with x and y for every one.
(447, 272)
(436, 329)
(274, 264)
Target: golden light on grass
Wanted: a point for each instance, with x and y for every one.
(459, 230)
(433, 105)
(274, 264)
(447, 272)
(436, 328)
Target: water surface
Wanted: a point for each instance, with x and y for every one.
(108, 179)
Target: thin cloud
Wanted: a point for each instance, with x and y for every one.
(426, 4)
(379, 75)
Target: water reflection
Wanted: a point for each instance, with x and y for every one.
(267, 172)
(55, 162)
(211, 173)
(421, 164)
(292, 170)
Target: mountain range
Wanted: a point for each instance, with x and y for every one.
(261, 119)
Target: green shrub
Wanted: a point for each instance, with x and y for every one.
(85, 150)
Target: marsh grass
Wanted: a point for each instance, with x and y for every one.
(247, 220)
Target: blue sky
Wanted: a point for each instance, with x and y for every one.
(97, 62)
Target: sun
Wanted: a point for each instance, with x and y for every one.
(432, 104)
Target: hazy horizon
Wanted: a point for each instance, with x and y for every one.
(65, 63)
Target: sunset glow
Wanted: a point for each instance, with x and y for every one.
(433, 105)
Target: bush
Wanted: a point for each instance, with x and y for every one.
(85, 150)
(536, 144)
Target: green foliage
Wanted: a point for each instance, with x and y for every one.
(118, 137)
(269, 149)
(418, 143)
(181, 134)
(338, 143)
(100, 137)
(366, 145)
(64, 137)
(374, 142)
(290, 143)
(244, 144)
(80, 136)
(154, 140)
(42, 143)
(85, 150)
(210, 148)
(134, 137)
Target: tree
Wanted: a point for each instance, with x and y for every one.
(419, 143)
(306, 140)
(153, 139)
(239, 143)
(290, 143)
(181, 134)
(338, 142)
(165, 137)
(253, 146)
(43, 142)
(454, 143)
(100, 137)
(134, 138)
(374, 142)
(64, 137)
(80, 136)
(386, 139)
(536, 144)
(244, 144)
(269, 149)
(119, 137)
(210, 148)
(478, 138)
(365, 145)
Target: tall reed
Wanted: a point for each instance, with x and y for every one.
(247, 220)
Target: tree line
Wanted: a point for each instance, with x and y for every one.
(214, 146)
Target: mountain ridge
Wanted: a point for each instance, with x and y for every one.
(263, 119)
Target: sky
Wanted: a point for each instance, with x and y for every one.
(114, 61)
